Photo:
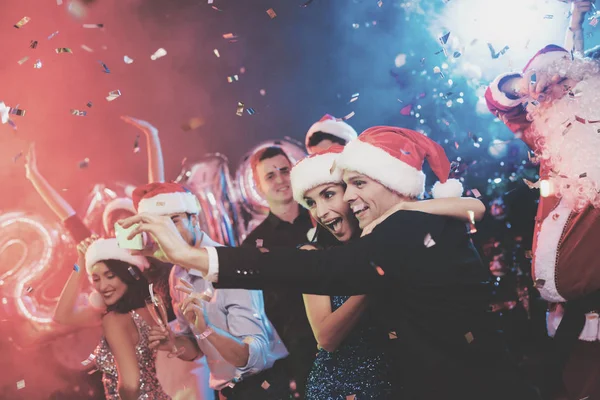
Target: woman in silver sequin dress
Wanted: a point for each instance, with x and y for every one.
(118, 304)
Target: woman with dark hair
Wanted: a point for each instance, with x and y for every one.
(118, 303)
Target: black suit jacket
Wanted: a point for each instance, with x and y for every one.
(432, 295)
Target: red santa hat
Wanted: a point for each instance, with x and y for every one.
(164, 199)
(315, 170)
(118, 204)
(108, 249)
(331, 125)
(546, 56)
(394, 157)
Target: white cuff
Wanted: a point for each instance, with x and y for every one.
(500, 97)
(213, 265)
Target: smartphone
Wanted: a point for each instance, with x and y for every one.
(136, 243)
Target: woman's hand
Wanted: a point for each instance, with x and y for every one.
(161, 338)
(82, 248)
(144, 126)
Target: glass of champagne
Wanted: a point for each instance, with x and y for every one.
(158, 311)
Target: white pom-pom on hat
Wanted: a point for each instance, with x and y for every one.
(450, 188)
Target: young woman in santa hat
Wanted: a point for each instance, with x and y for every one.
(351, 357)
(118, 303)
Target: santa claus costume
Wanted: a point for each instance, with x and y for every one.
(331, 126)
(563, 132)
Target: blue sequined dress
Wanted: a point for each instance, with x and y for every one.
(358, 367)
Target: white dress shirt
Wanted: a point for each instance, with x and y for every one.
(237, 311)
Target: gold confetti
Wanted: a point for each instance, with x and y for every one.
(271, 13)
(113, 95)
(64, 50)
(469, 337)
(22, 60)
(216, 53)
(192, 124)
(22, 22)
(240, 109)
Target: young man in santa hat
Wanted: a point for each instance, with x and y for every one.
(553, 107)
(326, 132)
(232, 330)
(425, 278)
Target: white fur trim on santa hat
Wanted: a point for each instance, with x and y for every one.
(542, 61)
(381, 166)
(108, 249)
(120, 203)
(312, 172)
(450, 188)
(170, 203)
(333, 127)
(500, 97)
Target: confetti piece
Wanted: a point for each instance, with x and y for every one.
(406, 109)
(498, 54)
(136, 145)
(78, 113)
(400, 60)
(16, 158)
(380, 3)
(469, 337)
(52, 35)
(262, 92)
(354, 97)
(92, 26)
(22, 22)
(89, 104)
(22, 60)
(594, 21)
(429, 242)
(104, 67)
(271, 13)
(216, 8)
(29, 289)
(113, 95)
(84, 163)
(18, 112)
(444, 38)
(192, 124)
(355, 26)
(406, 153)
(307, 3)
(250, 111)
(216, 53)
(457, 54)
(86, 48)
(64, 50)
(158, 54)
(37, 64)
(265, 385)
(127, 60)
(33, 44)
(133, 273)
(21, 384)
(229, 36)
(347, 117)
(476, 193)
(240, 109)
(233, 78)
(75, 267)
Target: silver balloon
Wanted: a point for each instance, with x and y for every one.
(252, 200)
(210, 181)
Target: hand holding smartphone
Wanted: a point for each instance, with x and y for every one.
(136, 243)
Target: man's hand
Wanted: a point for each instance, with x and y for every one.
(369, 228)
(30, 162)
(160, 338)
(144, 126)
(167, 243)
(533, 86)
(192, 306)
(578, 10)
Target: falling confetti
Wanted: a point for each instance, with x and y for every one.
(87, 48)
(380, 3)
(33, 44)
(548, 16)
(29, 289)
(104, 67)
(75, 267)
(16, 158)
(78, 113)
(21, 384)
(18, 112)
(457, 54)
(90, 358)
(259, 243)
(262, 92)
(444, 38)
(22, 22)
(240, 109)
(250, 111)
(64, 50)
(429, 242)
(400, 60)
(469, 337)
(192, 124)
(92, 26)
(229, 36)
(406, 109)
(136, 145)
(392, 335)
(498, 54)
(307, 3)
(347, 117)
(354, 97)
(216, 8)
(216, 53)
(89, 104)
(233, 78)
(37, 64)
(113, 95)
(22, 60)
(127, 60)
(476, 193)
(158, 54)
(265, 385)
(52, 35)
(84, 163)
(377, 268)
(271, 13)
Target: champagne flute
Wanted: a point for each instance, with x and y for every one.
(158, 312)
